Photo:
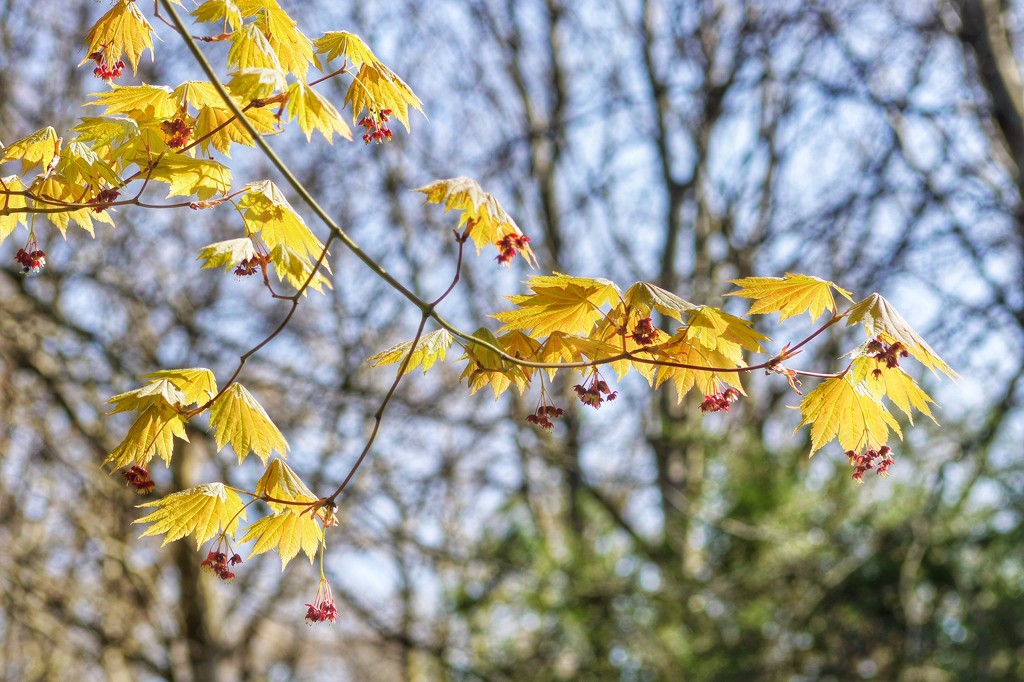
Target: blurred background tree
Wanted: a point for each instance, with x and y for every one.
(878, 144)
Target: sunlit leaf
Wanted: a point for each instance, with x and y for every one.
(790, 295)
(141, 102)
(123, 30)
(488, 221)
(237, 418)
(203, 511)
(892, 383)
(375, 88)
(559, 303)
(35, 151)
(157, 392)
(314, 112)
(153, 433)
(198, 384)
(9, 222)
(880, 319)
(430, 348)
(287, 531)
(644, 296)
(840, 408)
(186, 176)
(227, 254)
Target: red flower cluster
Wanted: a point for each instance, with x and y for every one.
(509, 246)
(867, 462)
(103, 69)
(376, 127)
(250, 266)
(218, 562)
(720, 402)
(596, 393)
(543, 416)
(883, 352)
(138, 476)
(31, 258)
(177, 131)
(322, 609)
(104, 199)
(644, 333)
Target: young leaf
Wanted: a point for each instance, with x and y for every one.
(292, 266)
(203, 511)
(790, 295)
(187, 176)
(152, 434)
(122, 30)
(680, 349)
(314, 112)
(237, 418)
(559, 303)
(252, 83)
(293, 49)
(892, 383)
(281, 483)
(266, 211)
(489, 221)
(287, 531)
(141, 102)
(376, 87)
(486, 367)
(644, 296)
(251, 49)
(880, 319)
(841, 408)
(11, 201)
(726, 333)
(197, 383)
(431, 348)
(348, 46)
(218, 10)
(227, 254)
(80, 165)
(38, 149)
(160, 392)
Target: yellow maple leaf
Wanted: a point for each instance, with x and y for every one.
(156, 392)
(430, 349)
(376, 88)
(790, 295)
(684, 351)
(280, 482)
(892, 383)
(226, 254)
(880, 319)
(198, 384)
(35, 150)
(644, 296)
(485, 367)
(295, 268)
(224, 11)
(121, 31)
(559, 303)
(251, 49)
(152, 434)
(202, 511)
(56, 187)
(348, 46)
(141, 102)
(8, 223)
(314, 112)
(251, 83)
(844, 409)
(186, 176)
(726, 333)
(293, 49)
(490, 223)
(237, 418)
(287, 531)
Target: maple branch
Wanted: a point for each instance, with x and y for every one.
(270, 337)
(378, 416)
